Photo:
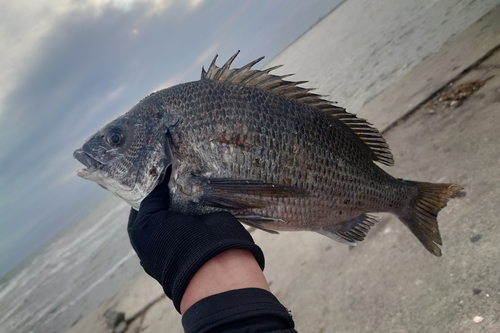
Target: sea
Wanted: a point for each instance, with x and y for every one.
(84, 265)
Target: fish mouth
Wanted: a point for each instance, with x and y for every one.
(87, 160)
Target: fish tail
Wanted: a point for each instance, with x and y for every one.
(420, 216)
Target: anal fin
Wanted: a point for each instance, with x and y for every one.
(349, 232)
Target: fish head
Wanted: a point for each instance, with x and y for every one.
(129, 156)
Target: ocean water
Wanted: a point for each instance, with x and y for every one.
(84, 265)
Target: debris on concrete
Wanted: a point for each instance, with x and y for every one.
(453, 96)
(115, 320)
(121, 327)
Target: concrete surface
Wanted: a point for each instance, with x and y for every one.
(435, 72)
(139, 300)
(389, 282)
(362, 47)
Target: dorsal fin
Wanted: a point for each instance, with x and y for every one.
(264, 80)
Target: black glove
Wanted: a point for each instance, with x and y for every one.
(173, 246)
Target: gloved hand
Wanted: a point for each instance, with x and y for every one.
(173, 246)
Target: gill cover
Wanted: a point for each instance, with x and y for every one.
(129, 155)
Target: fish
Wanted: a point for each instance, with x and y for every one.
(276, 155)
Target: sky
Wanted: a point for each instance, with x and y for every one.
(68, 67)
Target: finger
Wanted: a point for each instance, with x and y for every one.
(131, 218)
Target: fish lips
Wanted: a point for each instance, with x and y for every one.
(91, 172)
(87, 160)
(94, 172)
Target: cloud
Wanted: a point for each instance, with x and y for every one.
(89, 67)
(71, 66)
(20, 37)
(196, 65)
(25, 24)
(195, 3)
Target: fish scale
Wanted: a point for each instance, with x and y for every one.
(272, 153)
(318, 144)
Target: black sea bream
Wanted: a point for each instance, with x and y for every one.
(272, 153)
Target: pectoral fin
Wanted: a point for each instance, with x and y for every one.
(243, 194)
(258, 222)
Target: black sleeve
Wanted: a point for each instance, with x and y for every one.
(243, 310)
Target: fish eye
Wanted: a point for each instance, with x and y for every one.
(115, 138)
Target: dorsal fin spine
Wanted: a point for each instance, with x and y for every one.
(212, 66)
(252, 63)
(221, 71)
(262, 79)
(254, 75)
(234, 74)
(268, 84)
(270, 69)
(243, 76)
(282, 88)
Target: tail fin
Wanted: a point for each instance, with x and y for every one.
(420, 216)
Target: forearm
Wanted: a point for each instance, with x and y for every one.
(229, 270)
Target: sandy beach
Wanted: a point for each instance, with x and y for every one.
(439, 109)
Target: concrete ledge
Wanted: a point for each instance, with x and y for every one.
(459, 54)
